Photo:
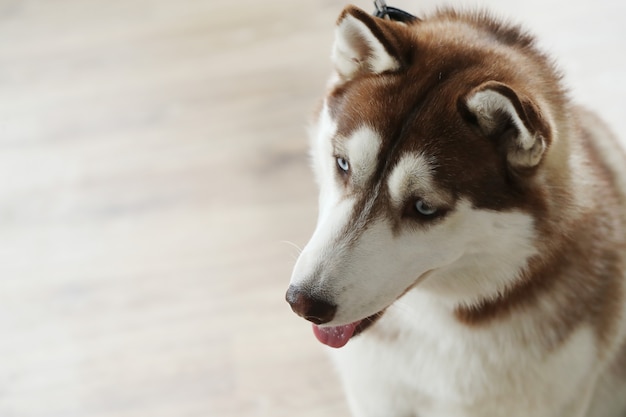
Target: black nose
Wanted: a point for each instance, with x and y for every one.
(313, 309)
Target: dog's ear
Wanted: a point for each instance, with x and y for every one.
(364, 43)
(514, 121)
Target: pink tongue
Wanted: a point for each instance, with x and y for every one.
(335, 337)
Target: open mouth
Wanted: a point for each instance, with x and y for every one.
(338, 336)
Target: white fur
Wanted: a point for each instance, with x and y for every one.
(322, 159)
(496, 246)
(503, 241)
(361, 150)
(447, 368)
(438, 368)
(486, 104)
(351, 37)
(355, 271)
(450, 368)
(419, 359)
(412, 173)
(363, 147)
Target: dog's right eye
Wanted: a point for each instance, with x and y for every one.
(343, 164)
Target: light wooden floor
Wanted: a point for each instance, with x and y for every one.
(152, 169)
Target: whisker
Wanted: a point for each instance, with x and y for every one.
(402, 306)
(298, 248)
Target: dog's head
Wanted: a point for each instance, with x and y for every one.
(430, 150)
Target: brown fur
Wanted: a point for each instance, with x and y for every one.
(421, 108)
(588, 276)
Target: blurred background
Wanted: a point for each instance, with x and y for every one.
(153, 173)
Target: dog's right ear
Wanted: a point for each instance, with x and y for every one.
(364, 44)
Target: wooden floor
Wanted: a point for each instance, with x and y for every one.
(153, 173)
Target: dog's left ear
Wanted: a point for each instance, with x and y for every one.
(364, 44)
(514, 121)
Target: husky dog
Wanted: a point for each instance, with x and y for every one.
(470, 250)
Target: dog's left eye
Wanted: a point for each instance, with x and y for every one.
(343, 164)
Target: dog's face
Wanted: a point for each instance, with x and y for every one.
(425, 153)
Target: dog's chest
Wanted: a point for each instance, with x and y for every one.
(418, 363)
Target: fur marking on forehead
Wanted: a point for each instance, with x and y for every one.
(412, 173)
(361, 148)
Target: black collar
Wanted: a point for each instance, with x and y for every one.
(384, 11)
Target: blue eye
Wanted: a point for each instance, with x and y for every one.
(424, 209)
(343, 164)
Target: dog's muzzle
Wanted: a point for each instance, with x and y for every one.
(313, 309)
